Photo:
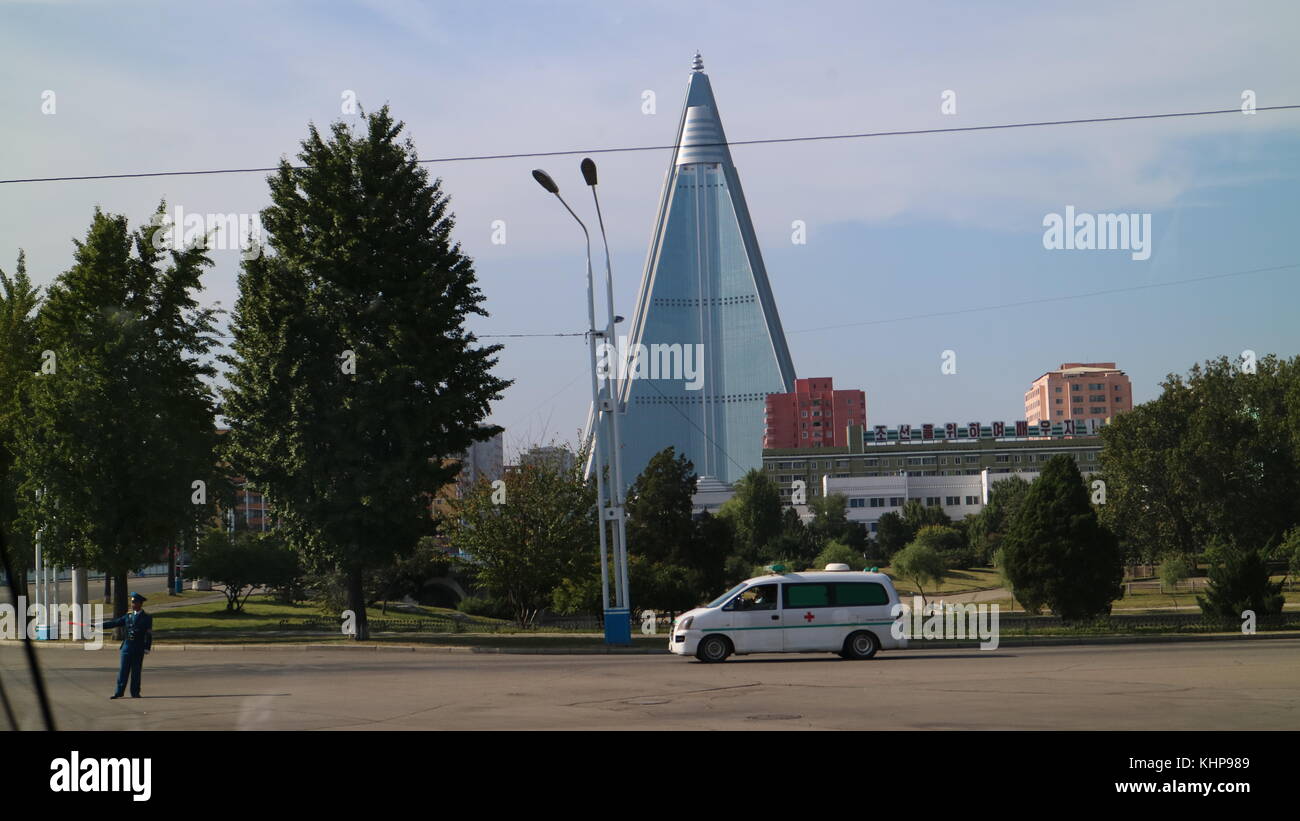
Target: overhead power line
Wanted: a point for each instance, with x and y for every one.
(1000, 306)
(624, 149)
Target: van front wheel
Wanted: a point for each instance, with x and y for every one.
(860, 646)
(713, 649)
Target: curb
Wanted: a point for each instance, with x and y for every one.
(922, 644)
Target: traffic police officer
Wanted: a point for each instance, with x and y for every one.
(138, 641)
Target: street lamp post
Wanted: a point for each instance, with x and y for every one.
(618, 625)
(614, 393)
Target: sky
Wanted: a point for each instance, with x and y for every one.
(915, 245)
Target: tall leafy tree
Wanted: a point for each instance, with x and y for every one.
(755, 515)
(1056, 553)
(353, 377)
(659, 505)
(121, 423)
(1216, 456)
(892, 534)
(19, 361)
(985, 529)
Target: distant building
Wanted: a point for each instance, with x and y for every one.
(1079, 391)
(482, 462)
(954, 473)
(710, 494)
(814, 415)
(557, 457)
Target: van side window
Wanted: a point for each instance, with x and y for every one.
(807, 595)
(858, 594)
(759, 597)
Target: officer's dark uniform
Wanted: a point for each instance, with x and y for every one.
(139, 640)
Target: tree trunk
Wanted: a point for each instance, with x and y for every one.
(171, 571)
(357, 604)
(108, 587)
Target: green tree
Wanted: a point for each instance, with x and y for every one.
(1173, 571)
(1289, 551)
(755, 515)
(523, 550)
(241, 563)
(659, 506)
(917, 516)
(794, 538)
(353, 380)
(987, 528)
(1216, 456)
(839, 553)
(121, 422)
(948, 542)
(19, 361)
(892, 534)
(920, 564)
(1056, 553)
(1239, 581)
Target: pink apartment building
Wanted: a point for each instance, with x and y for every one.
(815, 415)
(1079, 390)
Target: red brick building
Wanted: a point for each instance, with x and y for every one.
(815, 415)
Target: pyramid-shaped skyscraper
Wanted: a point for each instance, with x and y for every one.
(704, 289)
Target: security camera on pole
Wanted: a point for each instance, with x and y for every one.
(604, 434)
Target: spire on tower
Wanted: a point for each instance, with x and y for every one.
(698, 63)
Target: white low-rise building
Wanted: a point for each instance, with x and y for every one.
(870, 497)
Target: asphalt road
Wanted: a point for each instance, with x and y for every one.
(1247, 684)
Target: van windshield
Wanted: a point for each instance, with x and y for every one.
(723, 598)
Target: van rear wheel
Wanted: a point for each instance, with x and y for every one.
(713, 649)
(860, 646)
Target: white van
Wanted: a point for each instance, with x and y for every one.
(836, 610)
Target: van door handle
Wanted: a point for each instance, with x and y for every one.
(776, 618)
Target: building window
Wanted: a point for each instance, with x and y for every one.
(1060, 413)
(877, 501)
(804, 414)
(972, 500)
(1001, 457)
(857, 502)
(931, 501)
(1096, 410)
(805, 434)
(1074, 387)
(896, 501)
(952, 501)
(1058, 388)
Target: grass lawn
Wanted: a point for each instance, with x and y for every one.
(264, 613)
(956, 581)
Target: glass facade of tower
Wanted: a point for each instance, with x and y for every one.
(705, 293)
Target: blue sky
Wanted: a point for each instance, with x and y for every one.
(897, 227)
